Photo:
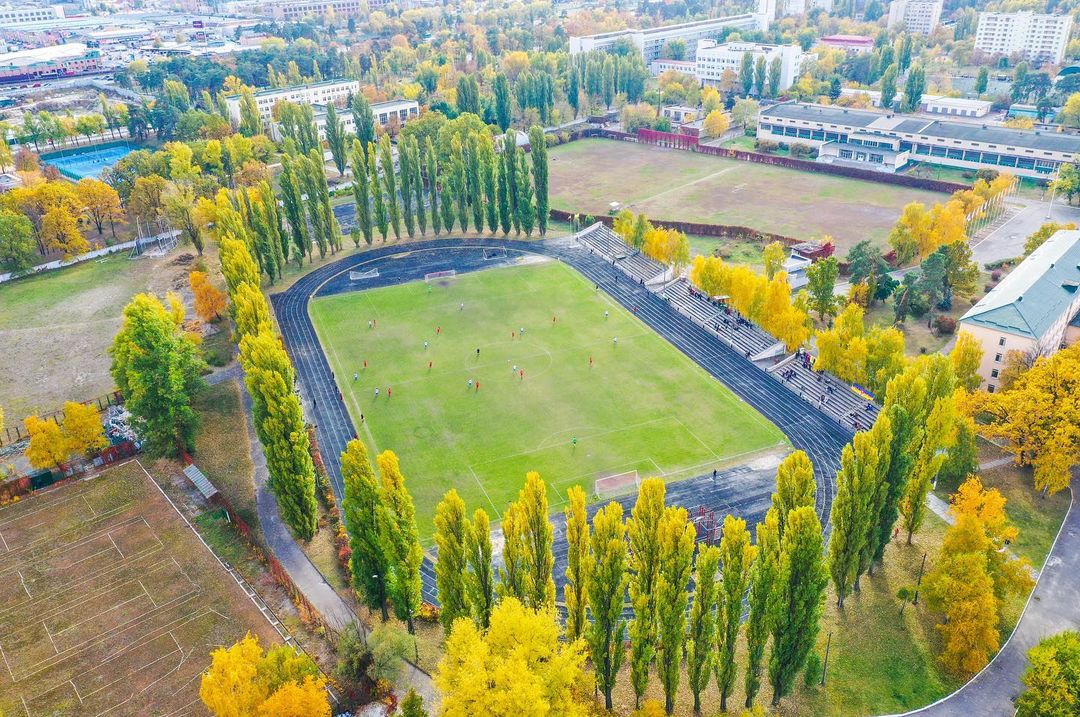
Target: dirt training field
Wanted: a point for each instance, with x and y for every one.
(588, 175)
(109, 603)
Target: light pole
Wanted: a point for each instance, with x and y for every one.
(918, 582)
(1053, 192)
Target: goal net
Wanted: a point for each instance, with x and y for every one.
(360, 275)
(440, 276)
(498, 253)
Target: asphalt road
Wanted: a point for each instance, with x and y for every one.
(1007, 241)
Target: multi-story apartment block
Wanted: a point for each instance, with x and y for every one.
(920, 16)
(888, 142)
(318, 93)
(713, 59)
(14, 16)
(1038, 38)
(650, 42)
(1035, 310)
(295, 10)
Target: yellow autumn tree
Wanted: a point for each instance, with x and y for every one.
(842, 350)
(242, 681)
(83, 430)
(974, 575)
(231, 687)
(948, 225)
(1038, 417)
(48, 447)
(966, 357)
(667, 246)
(773, 256)
(519, 667)
(298, 699)
(716, 124)
(60, 233)
(210, 301)
(909, 233)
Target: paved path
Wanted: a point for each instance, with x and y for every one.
(1007, 240)
(301, 570)
(1054, 606)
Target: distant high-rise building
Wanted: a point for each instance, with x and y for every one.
(26, 14)
(650, 41)
(920, 16)
(1039, 38)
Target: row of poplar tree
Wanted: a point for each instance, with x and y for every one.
(649, 558)
(468, 183)
(269, 375)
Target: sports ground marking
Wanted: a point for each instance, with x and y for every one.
(481, 484)
(696, 438)
(135, 622)
(682, 186)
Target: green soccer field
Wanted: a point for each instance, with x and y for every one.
(642, 405)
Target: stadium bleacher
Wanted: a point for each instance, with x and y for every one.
(609, 244)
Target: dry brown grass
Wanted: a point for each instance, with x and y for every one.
(111, 602)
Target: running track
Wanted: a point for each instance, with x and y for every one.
(806, 427)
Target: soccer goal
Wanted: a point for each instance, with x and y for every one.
(440, 277)
(497, 253)
(361, 275)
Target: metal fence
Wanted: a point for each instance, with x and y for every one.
(17, 432)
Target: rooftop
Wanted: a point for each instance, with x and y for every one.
(822, 113)
(944, 129)
(855, 39)
(1035, 294)
(26, 58)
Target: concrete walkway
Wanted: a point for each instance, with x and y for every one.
(301, 570)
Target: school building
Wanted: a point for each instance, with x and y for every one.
(889, 142)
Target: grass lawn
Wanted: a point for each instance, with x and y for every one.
(56, 327)
(222, 450)
(1036, 516)
(588, 175)
(642, 407)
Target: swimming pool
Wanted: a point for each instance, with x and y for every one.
(89, 162)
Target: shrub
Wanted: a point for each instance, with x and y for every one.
(812, 671)
(995, 275)
(945, 324)
(766, 145)
(428, 612)
(388, 645)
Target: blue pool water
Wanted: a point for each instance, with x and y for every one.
(77, 164)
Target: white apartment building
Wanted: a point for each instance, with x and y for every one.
(295, 10)
(1034, 310)
(1038, 38)
(920, 16)
(650, 42)
(888, 142)
(11, 16)
(801, 7)
(386, 113)
(713, 59)
(318, 93)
